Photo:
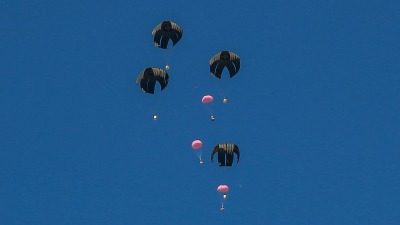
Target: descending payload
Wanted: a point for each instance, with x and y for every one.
(224, 59)
(207, 99)
(148, 78)
(223, 189)
(196, 145)
(226, 153)
(165, 31)
(151, 79)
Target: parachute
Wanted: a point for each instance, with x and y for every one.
(207, 99)
(224, 59)
(223, 189)
(196, 145)
(165, 31)
(148, 78)
(162, 34)
(225, 153)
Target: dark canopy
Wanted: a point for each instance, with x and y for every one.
(165, 31)
(225, 153)
(224, 59)
(148, 78)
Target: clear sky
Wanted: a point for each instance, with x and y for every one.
(314, 109)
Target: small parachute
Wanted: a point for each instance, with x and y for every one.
(196, 145)
(148, 78)
(224, 59)
(225, 153)
(223, 189)
(207, 99)
(165, 31)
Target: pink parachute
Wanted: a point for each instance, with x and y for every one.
(197, 144)
(207, 99)
(223, 188)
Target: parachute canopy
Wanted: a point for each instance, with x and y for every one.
(197, 144)
(224, 59)
(223, 188)
(148, 78)
(165, 31)
(225, 153)
(207, 99)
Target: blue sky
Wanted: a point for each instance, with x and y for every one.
(314, 110)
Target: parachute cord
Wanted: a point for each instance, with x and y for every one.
(199, 153)
(207, 106)
(167, 57)
(223, 87)
(219, 88)
(222, 200)
(155, 101)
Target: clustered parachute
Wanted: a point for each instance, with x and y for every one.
(151, 77)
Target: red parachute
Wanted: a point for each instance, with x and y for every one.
(196, 145)
(207, 99)
(223, 189)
